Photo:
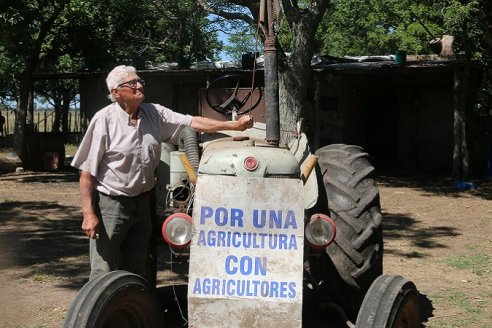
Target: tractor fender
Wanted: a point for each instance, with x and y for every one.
(299, 147)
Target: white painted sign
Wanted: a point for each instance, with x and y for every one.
(246, 257)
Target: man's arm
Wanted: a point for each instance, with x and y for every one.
(90, 223)
(204, 124)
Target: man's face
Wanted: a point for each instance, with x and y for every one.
(132, 90)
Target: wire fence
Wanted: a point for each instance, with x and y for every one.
(43, 121)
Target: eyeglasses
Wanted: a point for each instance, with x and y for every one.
(131, 84)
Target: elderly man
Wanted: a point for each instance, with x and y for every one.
(117, 160)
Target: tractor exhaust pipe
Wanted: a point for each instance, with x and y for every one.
(271, 73)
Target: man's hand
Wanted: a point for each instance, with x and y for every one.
(90, 223)
(245, 122)
(90, 226)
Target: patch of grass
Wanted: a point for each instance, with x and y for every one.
(471, 313)
(38, 273)
(479, 263)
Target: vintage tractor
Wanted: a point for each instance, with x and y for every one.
(267, 229)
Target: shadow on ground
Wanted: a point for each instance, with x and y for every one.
(437, 185)
(397, 226)
(44, 245)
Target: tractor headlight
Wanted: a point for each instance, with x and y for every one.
(177, 229)
(320, 230)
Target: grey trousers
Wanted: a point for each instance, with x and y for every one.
(125, 229)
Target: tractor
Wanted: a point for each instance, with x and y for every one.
(267, 230)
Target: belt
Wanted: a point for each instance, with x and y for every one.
(142, 195)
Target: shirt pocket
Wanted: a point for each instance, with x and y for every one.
(154, 154)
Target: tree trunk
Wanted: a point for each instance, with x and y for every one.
(21, 133)
(295, 78)
(460, 152)
(64, 112)
(21, 142)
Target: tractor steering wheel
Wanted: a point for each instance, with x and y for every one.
(233, 103)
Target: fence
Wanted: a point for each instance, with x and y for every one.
(43, 121)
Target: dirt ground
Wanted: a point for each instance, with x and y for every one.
(438, 237)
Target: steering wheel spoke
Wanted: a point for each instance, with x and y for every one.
(233, 103)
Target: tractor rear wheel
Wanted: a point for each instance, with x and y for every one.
(355, 259)
(116, 299)
(390, 302)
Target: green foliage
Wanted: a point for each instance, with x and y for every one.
(242, 42)
(379, 27)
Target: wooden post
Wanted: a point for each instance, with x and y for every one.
(460, 151)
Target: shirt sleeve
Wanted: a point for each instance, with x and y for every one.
(171, 124)
(91, 149)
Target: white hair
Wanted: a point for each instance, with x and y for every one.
(116, 76)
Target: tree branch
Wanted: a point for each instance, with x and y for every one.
(225, 14)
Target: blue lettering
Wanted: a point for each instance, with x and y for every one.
(201, 238)
(248, 288)
(265, 288)
(283, 289)
(260, 266)
(292, 289)
(221, 238)
(205, 213)
(247, 240)
(275, 219)
(228, 267)
(293, 242)
(290, 220)
(196, 288)
(259, 222)
(282, 241)
(211, 238)
(236, 215)
(235, 242)
(230, 287)
(246, 265)
(215, 286)
(206, 286)
(240, 288)
(272, 241)
(257, 267)
(255, 283)
(221, 216)
(273, 289)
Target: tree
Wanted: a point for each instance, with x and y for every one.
(29, 24)
(302, 19)
(59, 35)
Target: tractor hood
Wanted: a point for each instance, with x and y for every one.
(238, 156)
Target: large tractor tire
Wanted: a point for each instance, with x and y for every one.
(355, 259)
(116, 299)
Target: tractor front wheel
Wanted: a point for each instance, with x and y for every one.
(116, 299)
(390, 302)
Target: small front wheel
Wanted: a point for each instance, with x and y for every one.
(390, 302)
(116, 299)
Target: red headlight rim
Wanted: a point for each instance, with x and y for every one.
(166, 222)
(330, 222)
